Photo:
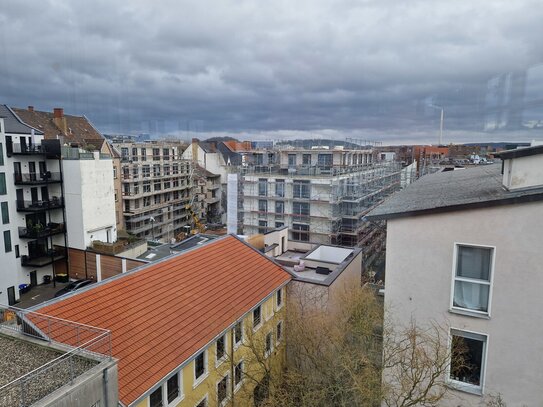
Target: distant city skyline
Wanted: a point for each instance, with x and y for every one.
(376, 70)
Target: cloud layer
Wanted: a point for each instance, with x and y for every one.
(370, 69)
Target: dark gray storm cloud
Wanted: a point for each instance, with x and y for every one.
(369, 69)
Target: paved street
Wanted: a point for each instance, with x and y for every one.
(39, 294)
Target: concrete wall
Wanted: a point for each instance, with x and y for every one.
(523, 172)
(90, 201)
(419, 272)
(98, 386)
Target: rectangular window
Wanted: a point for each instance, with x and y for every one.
(143, 154)
(257, 316)
(292, 160)
(200, 365)
(156, 154)
(156, 170)
(279, 207)
(472, 278)
(17, 254)
(155, 399)
(1, 154)
(166, 153)
(238, 333)
(280, 187)
(300, 210)
(324, 160)
(134, 154)
(301, 189)
(468, 351)
(279, 224)
(124, 153)
(279, 298)
(3, 190)
(238, 374)
(279, 331)
(262, 226)
(135, 172)
(306, 159)
(262, 208)
(300, 232)
(5, 212)
(269, 343)
(114, 172)
(221, 348)
(202, 403)
(262, 187)
(7, 241)
(222, 390)
(172, 386)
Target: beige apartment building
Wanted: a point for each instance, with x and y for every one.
(156, 189)
(464, 250)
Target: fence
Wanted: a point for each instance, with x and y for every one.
(74, 348)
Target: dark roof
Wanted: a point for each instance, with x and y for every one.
(207, 147)
(78, 128)
(235, 158)
(471, 188)
(12, 124)
(202, 172)
(520, 152)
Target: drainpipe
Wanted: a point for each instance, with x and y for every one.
(105, 381)
(232, 378)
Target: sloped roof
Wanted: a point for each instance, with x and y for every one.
(164, 313)
(78, 128)
(470, 188)
(12, 124)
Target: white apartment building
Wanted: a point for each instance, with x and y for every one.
(321, 194)
(156, 188)
(464, 250)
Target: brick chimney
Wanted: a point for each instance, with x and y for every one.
(60, 120)
(30, 108)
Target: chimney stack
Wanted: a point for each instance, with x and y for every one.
(58, 113)
(30, 108)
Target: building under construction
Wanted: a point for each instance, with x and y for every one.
(321, 193)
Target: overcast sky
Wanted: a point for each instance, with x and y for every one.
(256, 69)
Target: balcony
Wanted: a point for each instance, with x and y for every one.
(24, 149)
(40, 258)
(40, 206)
(37, 179)
(38, 230)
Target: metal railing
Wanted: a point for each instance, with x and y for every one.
(37, 206)
(79, 347)
(36, 178)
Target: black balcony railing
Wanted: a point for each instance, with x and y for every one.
(25, 149)
(39, 230)
(39, 206)
(41, 258)
(36, 178)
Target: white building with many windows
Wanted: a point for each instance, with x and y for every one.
(464, 250)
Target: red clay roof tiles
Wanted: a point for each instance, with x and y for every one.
(163, 314)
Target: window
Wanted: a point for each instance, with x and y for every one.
(262, 226)
(325, 160)
(156, 170)
(143, 154)
(146, 171)
(155, 399)
(134, 154)
(157, 186)
(262, 208)
(467, 360)
(166, 153)
(279, 331)
(279, 207)
(175, 168)
(1, 154)
(280, 187)
(279, 298)
(238, 374)
(238, 333)
(279, 224)
(5, 212)
(300, 232)
(156, 153)
(472, 278)
(257, 317)
(200, 368)
(7, 241)
(269, 343)
(221, 347)
(202, 403)
(17, 254)
(114, 172)
(300, 210)
(301, 189)
(146, 186)
(172, 387)
(262, 187)
(135, 172)
(222, 390)
(124, 153)
(292, 160)
(3, 190)
(306, 159)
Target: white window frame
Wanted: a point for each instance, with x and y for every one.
(238, 344)
(277, 306)
(277, 339)
(240, 384)
(467, 311)
(161, 387)
(257, 327)
(206, 398)
(228, 395)
(467, 387)
(218, 361)
(197, 381)
(181, 396)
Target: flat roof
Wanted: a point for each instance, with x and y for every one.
(477, 187)
(329, 254)
(165, 250)
(520, 152)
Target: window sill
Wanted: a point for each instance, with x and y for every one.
(220, 361)
(200, 380)
(256, 328)
(465, 387)
(176, 401)
(238, 386)
(469, 313)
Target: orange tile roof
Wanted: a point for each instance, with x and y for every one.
(162, 314)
